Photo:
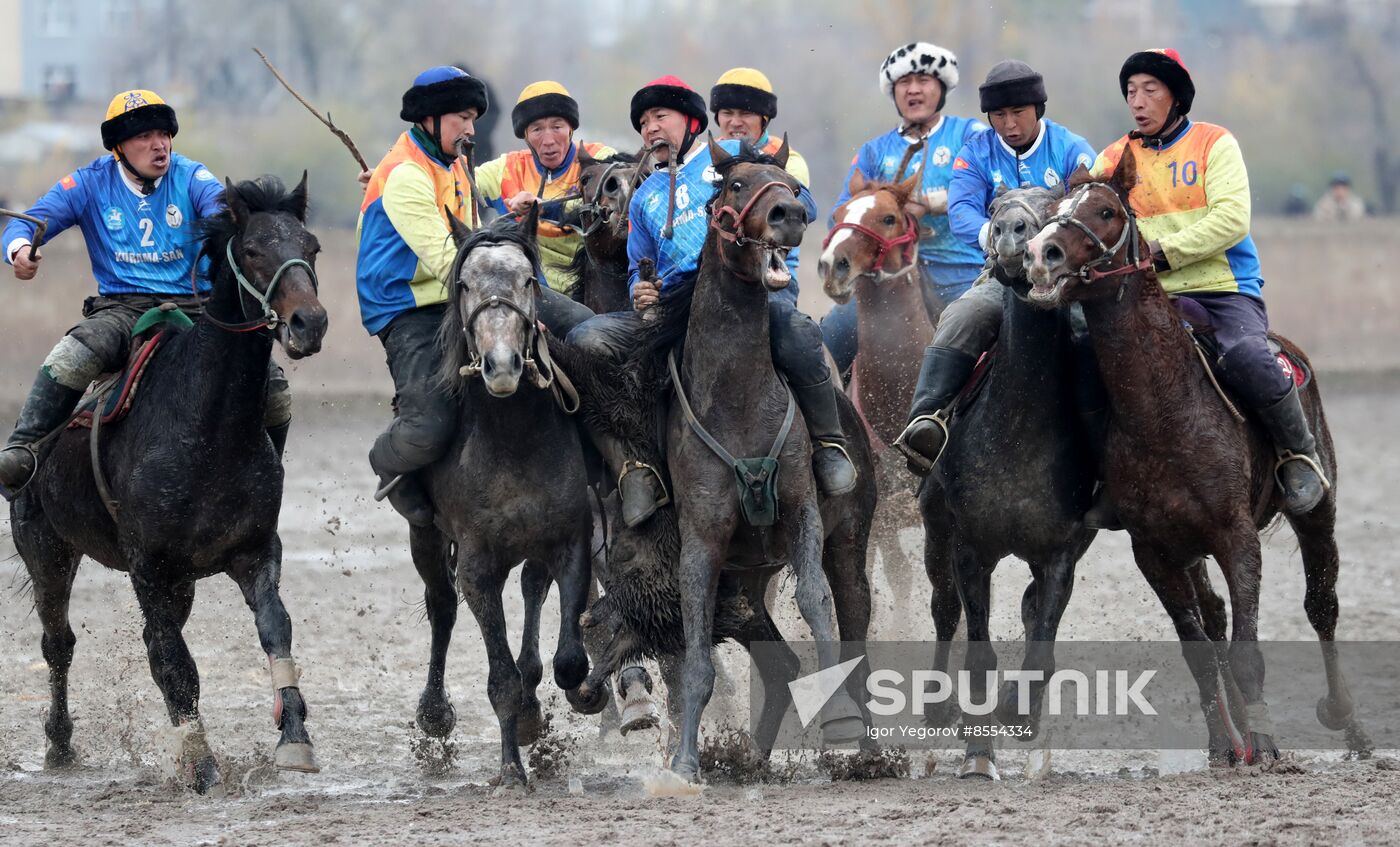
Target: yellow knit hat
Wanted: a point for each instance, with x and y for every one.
(747, 89)
(543, 99)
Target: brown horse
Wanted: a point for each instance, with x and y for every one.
(1189, 477)
(871, 253)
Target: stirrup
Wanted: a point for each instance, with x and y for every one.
(913, 456)
(33, 471)
(855, 472)
(1286, 456)
(632, 465)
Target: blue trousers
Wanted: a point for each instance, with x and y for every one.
(1242, 334)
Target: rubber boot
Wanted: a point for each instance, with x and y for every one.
(944, 373)
(639, 485)
(831, 464)
(1298, 471)
(278, 434)
(47, 408)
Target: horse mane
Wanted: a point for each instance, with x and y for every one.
(503, 230)
(265, 194)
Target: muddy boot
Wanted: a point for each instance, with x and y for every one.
(48, 406)
(1298, 471)
(407, 496)
(639, 484)
(831, 464)
(1102, 513)
(278, 434)
(944, 373)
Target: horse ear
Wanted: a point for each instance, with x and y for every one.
(530, 224)
(910, 186)
(460, 231)
(584, 160)
(781, 157)
(235, 204)
(1001, 189)
(718, 157)
(1125, 175)
(299, 198)
(1080, 176)
(856, 184)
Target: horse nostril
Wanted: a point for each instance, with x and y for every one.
(612, 186)
(1054, 255)
(996, 230)
(777, 215)
(1020, 227)
(516, 363)
(843, 264)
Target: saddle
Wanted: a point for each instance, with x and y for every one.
(112, 397)
(1198, 322)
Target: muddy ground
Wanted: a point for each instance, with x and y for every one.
(362, 642)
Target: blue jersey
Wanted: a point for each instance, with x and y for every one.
(137, 245)
(986, 162)
(879, 158)
(679, 256)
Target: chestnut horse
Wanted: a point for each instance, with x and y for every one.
(1189, 478)
(871, 253)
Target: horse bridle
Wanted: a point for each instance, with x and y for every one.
(737, 237)
(1129, 237)
(594, 205)
(540, 377)
(907, 241)
(270, 318)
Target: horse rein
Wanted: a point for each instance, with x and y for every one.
(1090, 272)
(907, 241)
(270, 319)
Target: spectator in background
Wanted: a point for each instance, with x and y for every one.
(1340, 203)
(1298, 203)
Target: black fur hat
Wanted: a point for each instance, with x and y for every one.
(440, 90)
(1166, 65)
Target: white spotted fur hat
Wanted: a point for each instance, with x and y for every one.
(919, 58)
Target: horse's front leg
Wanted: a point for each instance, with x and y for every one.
(257, 578)
(1042, 609)
(1242, 563)
(702, 549)
(165, 607)
(841, 718)
(574, 575)
(431, 557)
(534, 588)
(480, 580)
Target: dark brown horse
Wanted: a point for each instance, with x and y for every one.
(871, 253)
(1189, 478)
(197, 481)
(736, 395)
(600, 268)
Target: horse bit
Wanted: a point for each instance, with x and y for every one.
(539, 377)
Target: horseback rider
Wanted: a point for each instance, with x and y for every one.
(545, 118)
(743, 103)
(918, 78)
(667, 109)
(137, 210)
(404, 259)
(1192, 203)
(1023, 149)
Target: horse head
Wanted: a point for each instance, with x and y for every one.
(606, 186)
(888, 247)
(1092, 228)
(490, 329)
(1016, 217)
(262, 239)
(756, 213)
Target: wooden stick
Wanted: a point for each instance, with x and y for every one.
(40, 227)
(335, 130)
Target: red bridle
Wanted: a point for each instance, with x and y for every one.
(907, 240)
(737, 236)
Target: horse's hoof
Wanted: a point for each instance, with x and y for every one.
(436, 719)
(1262, 749)
(589, 699)
(979, 767)
(296, 756)
(1332, 718)
(638, 710)
(842, 722)
(511, 780)
(201, 775)
(1358, 742)
(60, 758)
(529, 724)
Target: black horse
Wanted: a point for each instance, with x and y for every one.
(196, 479)
(512, 487)
(600, 268)
(1014, 480)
